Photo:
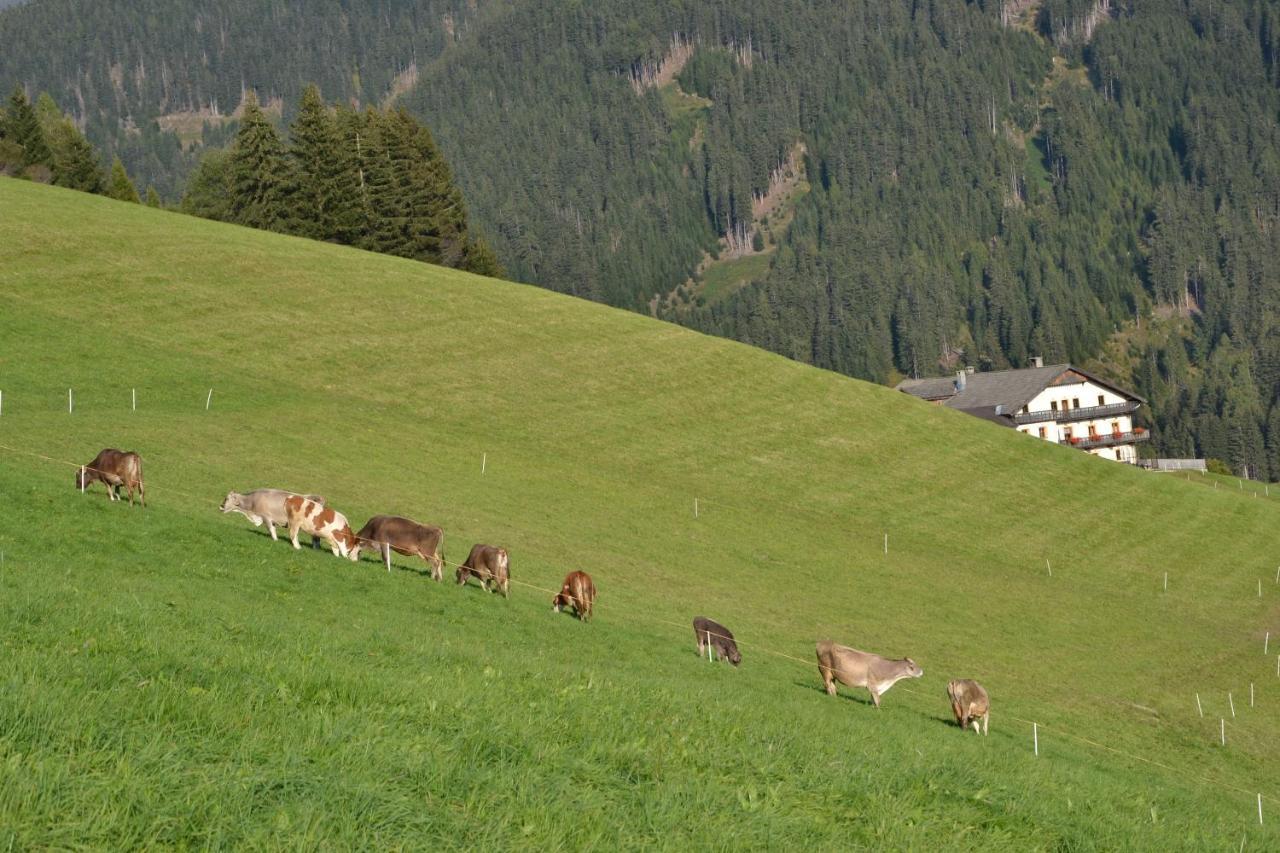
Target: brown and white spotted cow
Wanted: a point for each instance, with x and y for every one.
(114, 468)
(405, 536)
(487, 564)
(302, 513)
(577, 590)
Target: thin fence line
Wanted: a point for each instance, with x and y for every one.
(783, 655)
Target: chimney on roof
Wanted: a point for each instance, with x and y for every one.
(961, 376)
(1037, 361)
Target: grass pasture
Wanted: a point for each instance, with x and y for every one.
(171, 677)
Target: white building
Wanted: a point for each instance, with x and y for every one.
(1058, 403)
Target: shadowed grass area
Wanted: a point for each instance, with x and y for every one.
(171, 677)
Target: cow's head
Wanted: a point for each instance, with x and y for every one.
(82, 479)
(912, 671)
(562, 599)
(231, 502)
(348, 544)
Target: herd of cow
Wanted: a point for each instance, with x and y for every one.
(491, 566)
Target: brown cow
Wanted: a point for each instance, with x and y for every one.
(577, 590)
(970, 703)
(390, 533)
(862, 669)
(114, 468)
(487, 563)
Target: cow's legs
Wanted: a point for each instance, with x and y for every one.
(875, 697)
(828, 680)
(985, 719)
(437, 567)
(293, 534)
(270, 528)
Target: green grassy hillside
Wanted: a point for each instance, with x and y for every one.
(172, 677)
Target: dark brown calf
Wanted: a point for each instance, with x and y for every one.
(114, 468)
(487, 563)
(389, 533)
(710, 633)
(577, 590)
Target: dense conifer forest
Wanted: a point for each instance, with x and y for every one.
(884, 189)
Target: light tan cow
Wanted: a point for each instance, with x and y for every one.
(969, 702)
(853, 668)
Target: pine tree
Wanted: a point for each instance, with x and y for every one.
(325, 204)
(73, 161)
(209, 190)
(481, 259)
(153, 197)
(260, 174)
(22, 125)
(119, 186)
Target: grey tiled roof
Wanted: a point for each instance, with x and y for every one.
(1007, 390)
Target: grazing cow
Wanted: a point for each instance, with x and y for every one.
(266, 506)
(709, 633)
(487, 563)
(302, 513)
(577, 590)
(390, 533)
(853, 668)
(970, 703)
(114, 468)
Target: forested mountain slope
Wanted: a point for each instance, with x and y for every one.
(990, 180)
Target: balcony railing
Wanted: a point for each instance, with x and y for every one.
(1086, 442)
(1069, 415)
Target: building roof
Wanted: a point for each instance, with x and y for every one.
(1000, 392)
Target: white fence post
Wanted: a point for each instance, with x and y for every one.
(695, 507)
(1222, 726)
(1232, 703)
(1047, 566)
(484, 461)
(1198, 708)
(208, 400)
(1259, 810)
(1035, 737)
(82, 479)
(70, 402)
(1166, 581)
(1250, 694)
(886, 544)
(135, 399)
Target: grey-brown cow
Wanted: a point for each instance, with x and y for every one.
(390, 533)
(969, 702)
(488, 564)
(708, 632)
(265, 506)
(114, 468)
(853, 668)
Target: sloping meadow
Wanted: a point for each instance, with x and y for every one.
(171, 676)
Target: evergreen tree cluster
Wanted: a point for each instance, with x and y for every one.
(373, 179)
(39, 143)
